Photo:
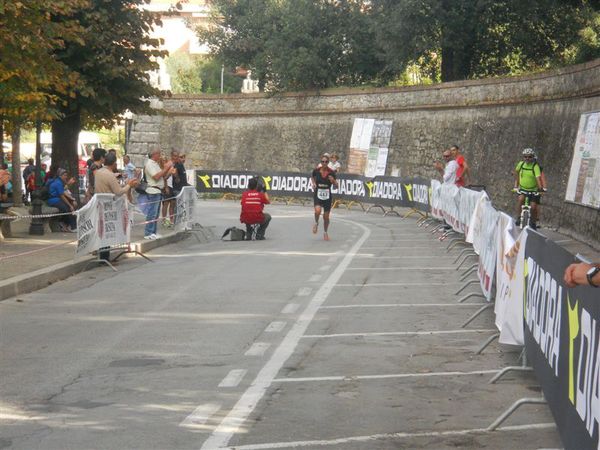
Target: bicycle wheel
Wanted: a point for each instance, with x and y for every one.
(524, 218)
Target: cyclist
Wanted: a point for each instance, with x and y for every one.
(530, 182)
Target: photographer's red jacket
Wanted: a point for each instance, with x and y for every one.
(252, 207)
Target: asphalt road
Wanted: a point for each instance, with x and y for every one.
(292, 342)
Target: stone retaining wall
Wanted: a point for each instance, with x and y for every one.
(493, 120)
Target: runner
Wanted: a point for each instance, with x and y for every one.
(322, 180)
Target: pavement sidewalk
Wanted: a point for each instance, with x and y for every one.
(29, 262)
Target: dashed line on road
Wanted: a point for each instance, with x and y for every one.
(233, 378)
(290, 308)
(257, 349)
(275, 327)
(200, 415)
(303, 292)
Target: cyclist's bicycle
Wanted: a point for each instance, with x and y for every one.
(525, 217)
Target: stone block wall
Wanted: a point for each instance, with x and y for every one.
(492, 120)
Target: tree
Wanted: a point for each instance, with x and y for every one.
(295, 44)
(477, 38)
(184, 70)
(112, 64)
(29, 74)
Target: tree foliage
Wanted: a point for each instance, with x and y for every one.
(295, 44)
(111, 62)
(30, 77)
(300, 44)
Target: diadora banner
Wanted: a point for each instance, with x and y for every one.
(390, 191)
(562, 329)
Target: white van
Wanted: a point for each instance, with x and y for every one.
(88, 141)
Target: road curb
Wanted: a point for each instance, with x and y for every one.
(39, 279)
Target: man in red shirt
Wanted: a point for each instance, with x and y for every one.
(253, 202)
(462, 173)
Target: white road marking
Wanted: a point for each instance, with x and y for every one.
(233, 378)
(303, 292)
(200, 415)
(396, 333)
(236, 418)
(393, 247)
(257, 349)
(370, 256)
(384, 377)
(397, 284)
(404, 240)
(325, 268)
(386, 436)
(315, 277)
(404, 305)
(403, 268)
(290, 308)
(275, 327)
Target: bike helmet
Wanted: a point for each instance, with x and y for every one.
(529, 152)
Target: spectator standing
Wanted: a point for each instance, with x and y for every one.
(106, 182)
(180, 176)
(98, 155)
(334, 163)
(449, 170)
(150, 201)
(168, 204)
(129, 168)
(27, 171)
(463, 171)
(60, 200)
(4, 180)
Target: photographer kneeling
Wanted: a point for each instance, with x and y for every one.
(253, 201)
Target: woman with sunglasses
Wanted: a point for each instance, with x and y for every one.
(322, 179)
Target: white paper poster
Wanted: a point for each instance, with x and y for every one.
(584, 178)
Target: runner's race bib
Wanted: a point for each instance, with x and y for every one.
(323, 194)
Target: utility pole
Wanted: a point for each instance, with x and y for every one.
(222, 73)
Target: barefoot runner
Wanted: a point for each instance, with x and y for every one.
(322, 180)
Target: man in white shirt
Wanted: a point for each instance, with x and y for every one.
(150, 201)
(448, 172)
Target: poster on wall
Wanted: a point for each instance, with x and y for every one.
(369, 147)
(584, 178)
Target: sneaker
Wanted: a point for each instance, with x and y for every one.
(260, 238)
(167, 222)
(157, 236)
(71, 230)
(150, 237)
(533, 225)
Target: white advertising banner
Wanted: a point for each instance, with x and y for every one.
(436, 200)
(468, 200)
(509, 287)
(103, 222)
(185, 209)
(482, 234)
